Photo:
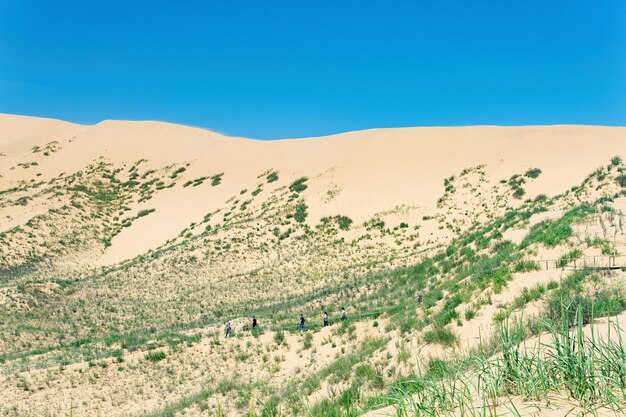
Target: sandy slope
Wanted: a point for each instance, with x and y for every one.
(372, 170)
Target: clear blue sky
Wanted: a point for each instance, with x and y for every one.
(271, 69)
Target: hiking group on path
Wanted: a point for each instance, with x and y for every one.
(301, 321)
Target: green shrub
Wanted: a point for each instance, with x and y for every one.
(438, 368)
(526, 265)
(308, 339)
(440, 335)
(143, 213)
(528, 296)
(431, 297)
(272, 176)
(602, 303)
(608, 249)
(500, 278)
(216, 179)
(279, 337)
(448, 312)
(500, 316)
(533, 173)
(298, 185)
(569, 257)
(552, 285)
(552, 233)
(301, 213)
(155, 356)
(178, 171)
(519, 193)
(344, 222)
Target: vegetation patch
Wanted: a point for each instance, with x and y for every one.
(298, 185)
(533, 173)
(155, 356)
(272, 177)
(216, 179)
(301, 213)
(196, 182)
(553, 233)
(177, 172)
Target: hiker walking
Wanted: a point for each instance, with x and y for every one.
(227, 328)
(301, 324)
(343, 313)
(254, 323)
(419, 298)
(325, 319)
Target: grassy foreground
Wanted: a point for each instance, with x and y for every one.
(581, 367)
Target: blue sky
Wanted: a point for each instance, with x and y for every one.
(273, 69)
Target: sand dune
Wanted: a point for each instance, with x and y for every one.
(371, 170)
(72, 198)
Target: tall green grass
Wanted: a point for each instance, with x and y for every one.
(588, 369)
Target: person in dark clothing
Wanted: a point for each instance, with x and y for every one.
(419, 298)
(227, 328)
(343, 313)
(254, 323)
(301, 324)
(325, 319)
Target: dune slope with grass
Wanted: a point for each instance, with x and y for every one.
(126, 245)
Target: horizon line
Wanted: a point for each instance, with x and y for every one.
(208, 129)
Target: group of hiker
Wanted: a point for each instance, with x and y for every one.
(301, 321)
(326, 321)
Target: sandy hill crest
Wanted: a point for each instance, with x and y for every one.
(357, 174)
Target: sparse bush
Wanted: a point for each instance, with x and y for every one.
(155, 356)
(301, 213)
(279, 337)
(569, 257)
(272, 176)
(143, 213)
(552, 233)
(448, 312)
(440, 335)
(344, 222)
(298, 185)
(470, 314)
(308, 339)
(529, 295)
(438, 368)
(616, 160)
(216, 179)
(564, 304)
(526, 265)
(500, 278)
(178, 171)
(533, 173)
